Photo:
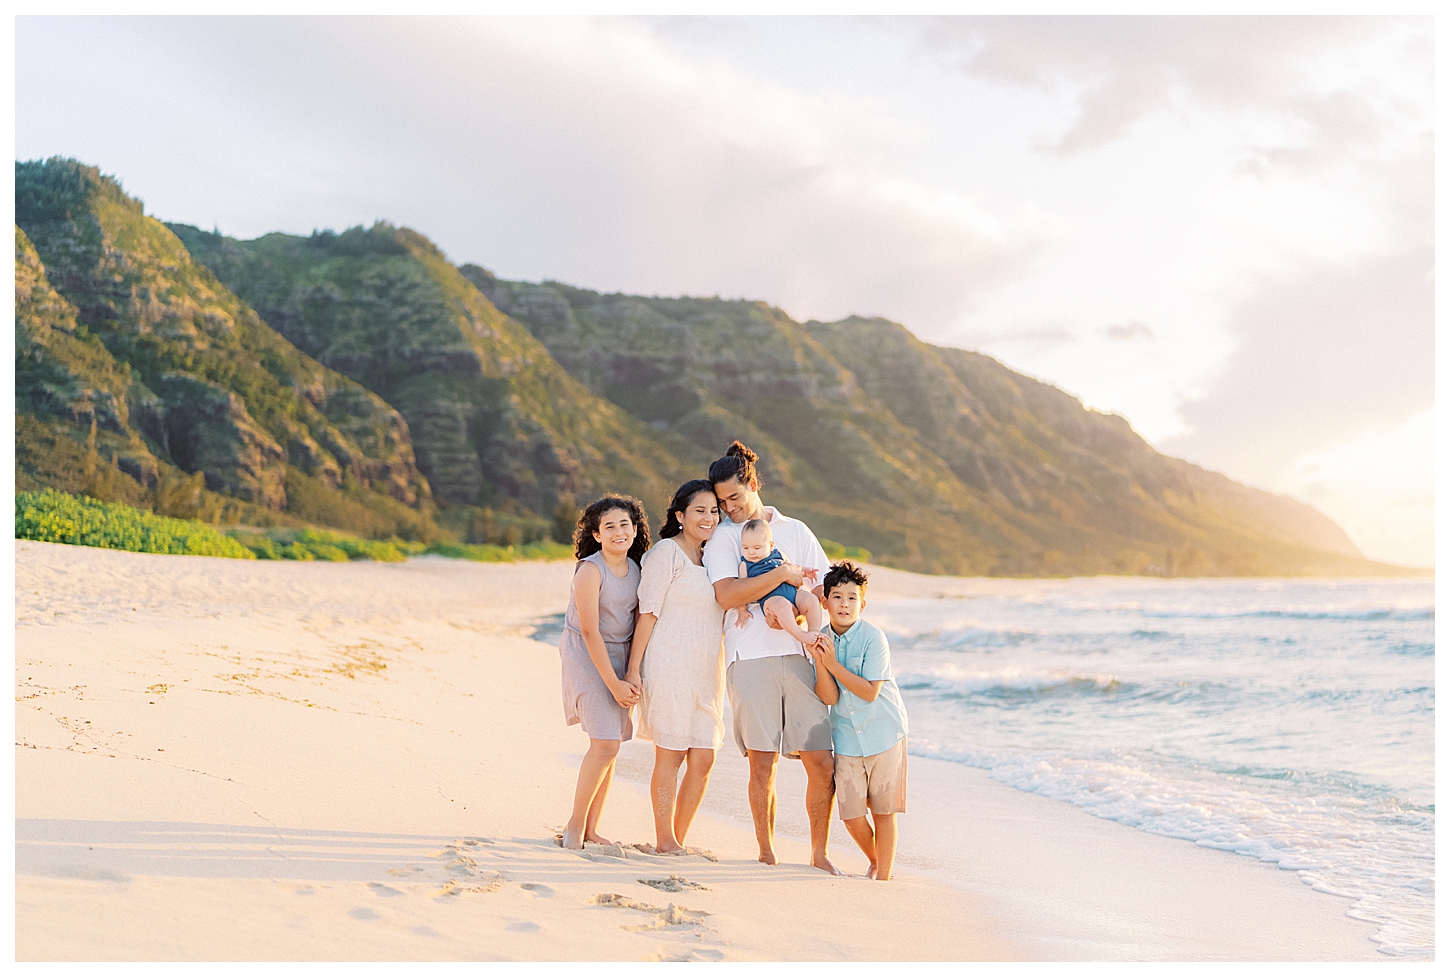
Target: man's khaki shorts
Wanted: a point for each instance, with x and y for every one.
(774, 706)
(877, 782)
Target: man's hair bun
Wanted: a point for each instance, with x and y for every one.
(739, 462)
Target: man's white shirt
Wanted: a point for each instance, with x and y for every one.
(722, 556)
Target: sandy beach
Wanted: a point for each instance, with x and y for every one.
(234, 760)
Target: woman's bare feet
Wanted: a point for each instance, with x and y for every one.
(871, 872)
(595, 838)
(573, 838)
(671, 847)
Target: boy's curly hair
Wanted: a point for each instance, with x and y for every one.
(843, 573)
(584, 542)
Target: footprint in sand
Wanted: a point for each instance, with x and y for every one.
(704, 853)
(383, 890)
(363, 913)
(674, 883)
(538, 889)
(410, 870)
(491, 882)
(522, 927)
(664, 955)
(669, 917)
(467, 877)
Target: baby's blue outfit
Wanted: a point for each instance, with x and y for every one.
(765, 566)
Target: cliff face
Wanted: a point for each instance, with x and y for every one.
(299, 377)
(209, 387)
(493, 416)
(936, 459)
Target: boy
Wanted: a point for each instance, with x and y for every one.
(758, 556)
(868, 719)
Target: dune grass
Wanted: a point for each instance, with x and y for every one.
(51, 516)
(56, 517)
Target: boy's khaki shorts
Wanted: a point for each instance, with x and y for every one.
(877, 782)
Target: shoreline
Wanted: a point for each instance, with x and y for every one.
(225, 759)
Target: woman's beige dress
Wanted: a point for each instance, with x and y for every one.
(683, 671)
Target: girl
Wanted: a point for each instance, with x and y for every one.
(677, 661)
(611, 537)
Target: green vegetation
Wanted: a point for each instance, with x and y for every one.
(153, 362)
(835, 551)
(283, 385)
(497, 424)
(320, 544)
(55, 517)
(544, 550)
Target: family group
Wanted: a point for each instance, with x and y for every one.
(716, 607)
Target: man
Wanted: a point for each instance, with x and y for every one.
(769, 677)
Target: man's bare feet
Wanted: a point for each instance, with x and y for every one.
(824, 864)
(573, 839)
(768, 857)
(595, 838)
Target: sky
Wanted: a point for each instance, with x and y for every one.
(1221, 228)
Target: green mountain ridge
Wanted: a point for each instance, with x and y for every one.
(178, 374)
(494, 419)
(938, 459)
(361, 380)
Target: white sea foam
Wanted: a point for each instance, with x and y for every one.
(1200, 710)
(1372, 851)
(955, 678)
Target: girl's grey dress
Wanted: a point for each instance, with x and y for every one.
(587, 700)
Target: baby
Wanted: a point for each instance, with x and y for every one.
(759, 555)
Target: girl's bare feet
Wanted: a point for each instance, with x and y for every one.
(595, 838)
(573, 839)
(871, 872)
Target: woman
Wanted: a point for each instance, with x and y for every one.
(611, 537)
(676, 658)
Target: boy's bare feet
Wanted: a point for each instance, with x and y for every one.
(768, 857)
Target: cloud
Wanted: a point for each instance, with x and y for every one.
(1120, 69)
(586, 151)
(1380, 486)
(1322, 356)
(1132, 329)
(1021, 340)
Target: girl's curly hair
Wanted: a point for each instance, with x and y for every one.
(584, 542)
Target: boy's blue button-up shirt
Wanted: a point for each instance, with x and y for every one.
(858, 727)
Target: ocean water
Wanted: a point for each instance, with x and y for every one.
(1286, 720)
